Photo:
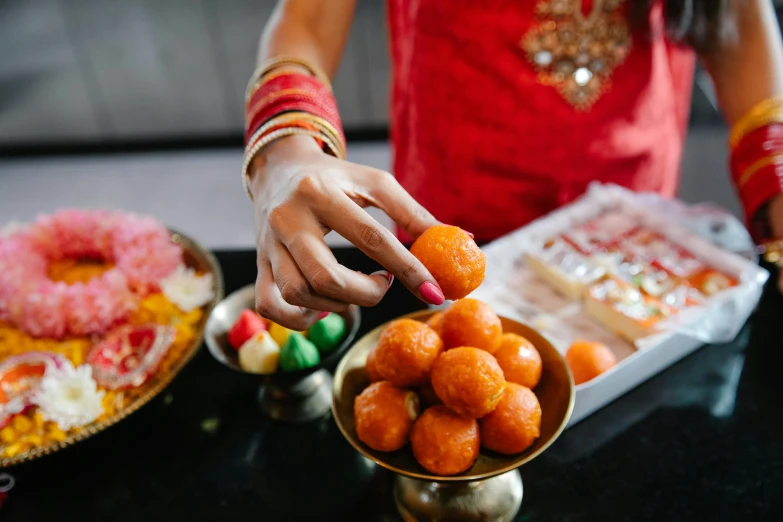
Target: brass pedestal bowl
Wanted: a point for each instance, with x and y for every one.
(492, 488)
(296, 396)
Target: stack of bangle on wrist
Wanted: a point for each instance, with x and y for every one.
(757, 161)
(283, 103)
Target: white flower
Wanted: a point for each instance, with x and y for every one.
(69, 396)
(186, 289)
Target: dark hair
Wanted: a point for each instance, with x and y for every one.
(702, 24)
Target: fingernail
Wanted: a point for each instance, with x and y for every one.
(388, 275)
(469, 233)
(431, 293)
(322, 315)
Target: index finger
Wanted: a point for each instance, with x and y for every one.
(350, 221)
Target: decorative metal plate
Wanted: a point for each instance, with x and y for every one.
(197, 257)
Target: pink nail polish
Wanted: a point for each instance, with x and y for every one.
(322, 315)
(431, 293)
(388, 275)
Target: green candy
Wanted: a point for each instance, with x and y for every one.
(298, 353)
(327, 333)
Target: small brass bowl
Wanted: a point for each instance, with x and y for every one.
(555, 393)
(296, 396)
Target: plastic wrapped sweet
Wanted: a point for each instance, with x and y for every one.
(653, 248)
(624, 310)
(602, 231)
(564, 268)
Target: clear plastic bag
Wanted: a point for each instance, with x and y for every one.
(712, 235)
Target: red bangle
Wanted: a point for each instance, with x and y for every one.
(757, 169)
(762, 142)
(291, 103)
(292, 92)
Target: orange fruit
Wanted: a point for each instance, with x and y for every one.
(519, 359)
(469, 322)
(384, 415)
(371, 366)
(468, 381)
(453, 258)
(434, 321)
(515, 424)
(443, 442)
(406, 351)
(588, 360)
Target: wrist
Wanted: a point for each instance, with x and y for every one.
(276, 153)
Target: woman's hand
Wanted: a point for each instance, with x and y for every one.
(301, 194)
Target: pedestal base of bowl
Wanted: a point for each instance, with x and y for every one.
(495, 499)
(298, 401)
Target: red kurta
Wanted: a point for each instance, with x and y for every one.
(482, 144)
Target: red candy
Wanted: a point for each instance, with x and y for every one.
(248, 324)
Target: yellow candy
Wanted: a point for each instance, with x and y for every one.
(279, 333)
(22, 424)
(56, 434)
(7, 435)
(14, 449)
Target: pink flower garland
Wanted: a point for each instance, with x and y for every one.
(140, 248)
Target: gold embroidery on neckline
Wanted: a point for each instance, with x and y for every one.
(577, 53)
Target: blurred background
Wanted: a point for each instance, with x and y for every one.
(138, 105)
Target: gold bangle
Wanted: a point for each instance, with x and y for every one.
(327, 129)
(773, 252)
(328, 134)
(763, 113)
(277, 61)
(251, 152)
(754, 167)
(280, 119)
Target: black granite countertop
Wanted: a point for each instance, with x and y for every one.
(701, 441)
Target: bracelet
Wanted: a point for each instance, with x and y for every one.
(748, 173)
(265, 140)
(773, 252)
(328, 134)
(277, 61)
(292, 92)
(763, 113)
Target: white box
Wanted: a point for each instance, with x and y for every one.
(513, 290)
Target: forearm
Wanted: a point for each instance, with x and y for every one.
(312, 30)
(749, 69)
